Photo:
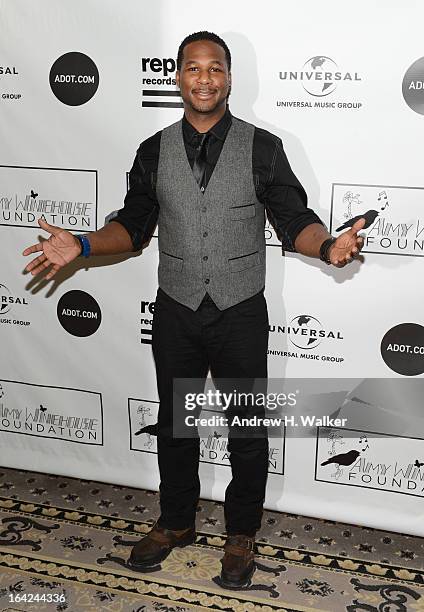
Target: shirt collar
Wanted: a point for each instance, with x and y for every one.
(219, 130)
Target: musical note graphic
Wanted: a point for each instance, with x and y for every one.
(383, 196)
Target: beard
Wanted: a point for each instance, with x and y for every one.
(205, 106)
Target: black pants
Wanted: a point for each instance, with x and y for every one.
(233, 344)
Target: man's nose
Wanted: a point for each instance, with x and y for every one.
(204, 76)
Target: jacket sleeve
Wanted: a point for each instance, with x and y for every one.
(140, 212)
(285, 200)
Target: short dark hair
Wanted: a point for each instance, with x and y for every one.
(204, 35)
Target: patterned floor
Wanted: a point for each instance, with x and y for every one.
(64, 544)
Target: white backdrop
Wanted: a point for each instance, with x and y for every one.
(77, 387)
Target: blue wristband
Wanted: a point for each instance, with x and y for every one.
(85, 245)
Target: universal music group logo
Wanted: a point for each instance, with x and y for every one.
(302, 335)
(319, 77)
(10, 305)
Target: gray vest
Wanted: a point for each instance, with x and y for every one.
(214, 241)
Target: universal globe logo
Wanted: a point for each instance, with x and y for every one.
(306, 332)
(6, 300)
(322, 83)
(319, 76)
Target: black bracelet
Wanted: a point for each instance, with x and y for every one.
(324, 248)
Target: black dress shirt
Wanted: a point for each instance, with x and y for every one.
(276, 185)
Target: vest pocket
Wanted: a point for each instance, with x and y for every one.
(245, 211)
(171, 262)
(237, 264)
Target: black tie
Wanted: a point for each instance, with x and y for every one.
(199, 165)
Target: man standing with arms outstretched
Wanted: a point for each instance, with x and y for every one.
(207, 181)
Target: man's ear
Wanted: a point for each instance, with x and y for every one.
(229, 84)
(177, 78)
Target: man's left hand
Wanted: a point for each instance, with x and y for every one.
(347, 246)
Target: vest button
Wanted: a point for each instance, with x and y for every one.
(204, 209)
(205, 234)
(206, 281)
(205, 258)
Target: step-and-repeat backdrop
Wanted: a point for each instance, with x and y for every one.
(82, 83)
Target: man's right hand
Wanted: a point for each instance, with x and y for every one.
(58, 250)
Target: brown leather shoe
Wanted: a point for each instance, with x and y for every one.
(157, 544)
(238, 563)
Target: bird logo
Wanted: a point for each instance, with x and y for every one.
(370, 216)
(33, 194)
(343, 458)
(148, 429)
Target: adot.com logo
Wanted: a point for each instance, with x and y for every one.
(402, 349)
(413, 86)
(74, 78)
